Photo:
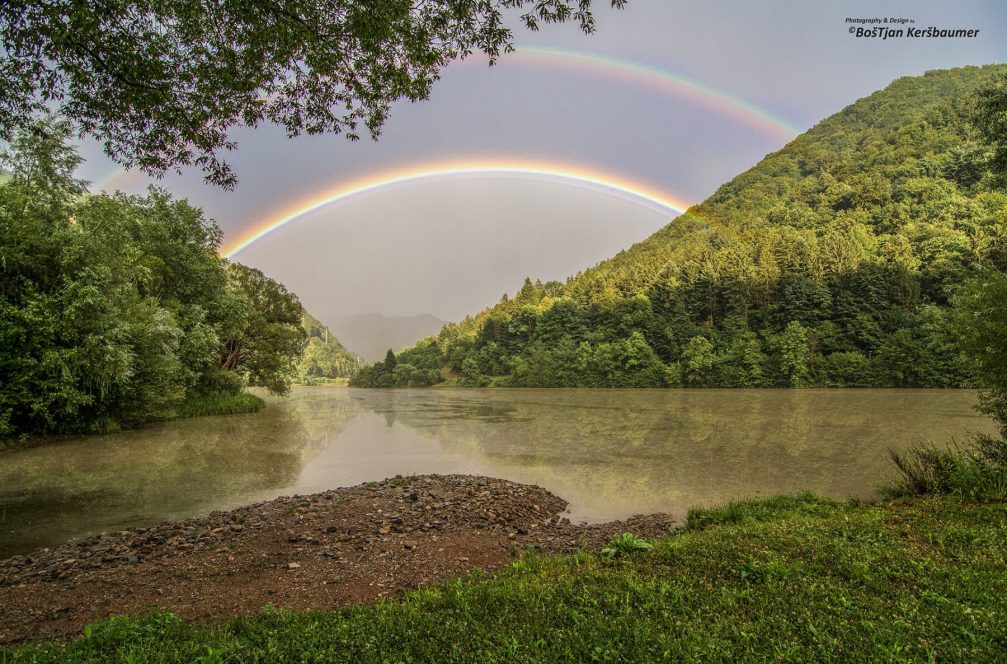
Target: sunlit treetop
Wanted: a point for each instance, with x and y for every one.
(163, 82)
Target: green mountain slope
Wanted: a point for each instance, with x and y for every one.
(831, 262)
(324, 358)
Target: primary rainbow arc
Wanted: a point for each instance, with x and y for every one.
(601, 180)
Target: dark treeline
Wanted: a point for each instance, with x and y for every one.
(116, 310)
(834, 262)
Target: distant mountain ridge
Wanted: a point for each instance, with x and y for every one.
(831, 262)
(372, 335)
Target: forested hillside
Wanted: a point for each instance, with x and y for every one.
(831, 262)
(325, 359)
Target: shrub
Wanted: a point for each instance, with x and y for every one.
(625, 544)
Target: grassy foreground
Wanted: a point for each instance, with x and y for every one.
(799, 578)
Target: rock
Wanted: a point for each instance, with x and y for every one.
(293, 565)
(293, 538)
(332, 529)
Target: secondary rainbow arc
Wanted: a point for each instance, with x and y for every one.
(626, 70)
(602, 181)
(652, 76)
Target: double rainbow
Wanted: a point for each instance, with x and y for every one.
(592, 64)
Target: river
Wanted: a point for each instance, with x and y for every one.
(611, 453)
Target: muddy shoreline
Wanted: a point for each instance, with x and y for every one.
(319, 551)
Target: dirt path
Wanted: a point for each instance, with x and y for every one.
(320, 551)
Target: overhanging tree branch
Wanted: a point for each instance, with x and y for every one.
(163, 82)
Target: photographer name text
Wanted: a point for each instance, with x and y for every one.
(882, 29)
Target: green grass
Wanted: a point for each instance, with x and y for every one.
(976, 470)
(785, 579)
(316, 381)
(762, 509)
(219, 403)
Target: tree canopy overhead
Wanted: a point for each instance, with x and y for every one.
(163, 82)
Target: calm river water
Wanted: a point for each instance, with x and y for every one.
(611, 453)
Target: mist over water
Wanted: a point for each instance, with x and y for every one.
(610, 453)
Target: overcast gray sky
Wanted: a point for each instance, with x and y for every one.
(453, 245)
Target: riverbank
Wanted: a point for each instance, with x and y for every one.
(344, 546)
(195, 405)
(798, 579)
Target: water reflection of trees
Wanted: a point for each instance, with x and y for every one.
(610, 452)
(613, 452)
(171, 470)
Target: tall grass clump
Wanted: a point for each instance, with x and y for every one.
(976, 470)
(219, 403)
